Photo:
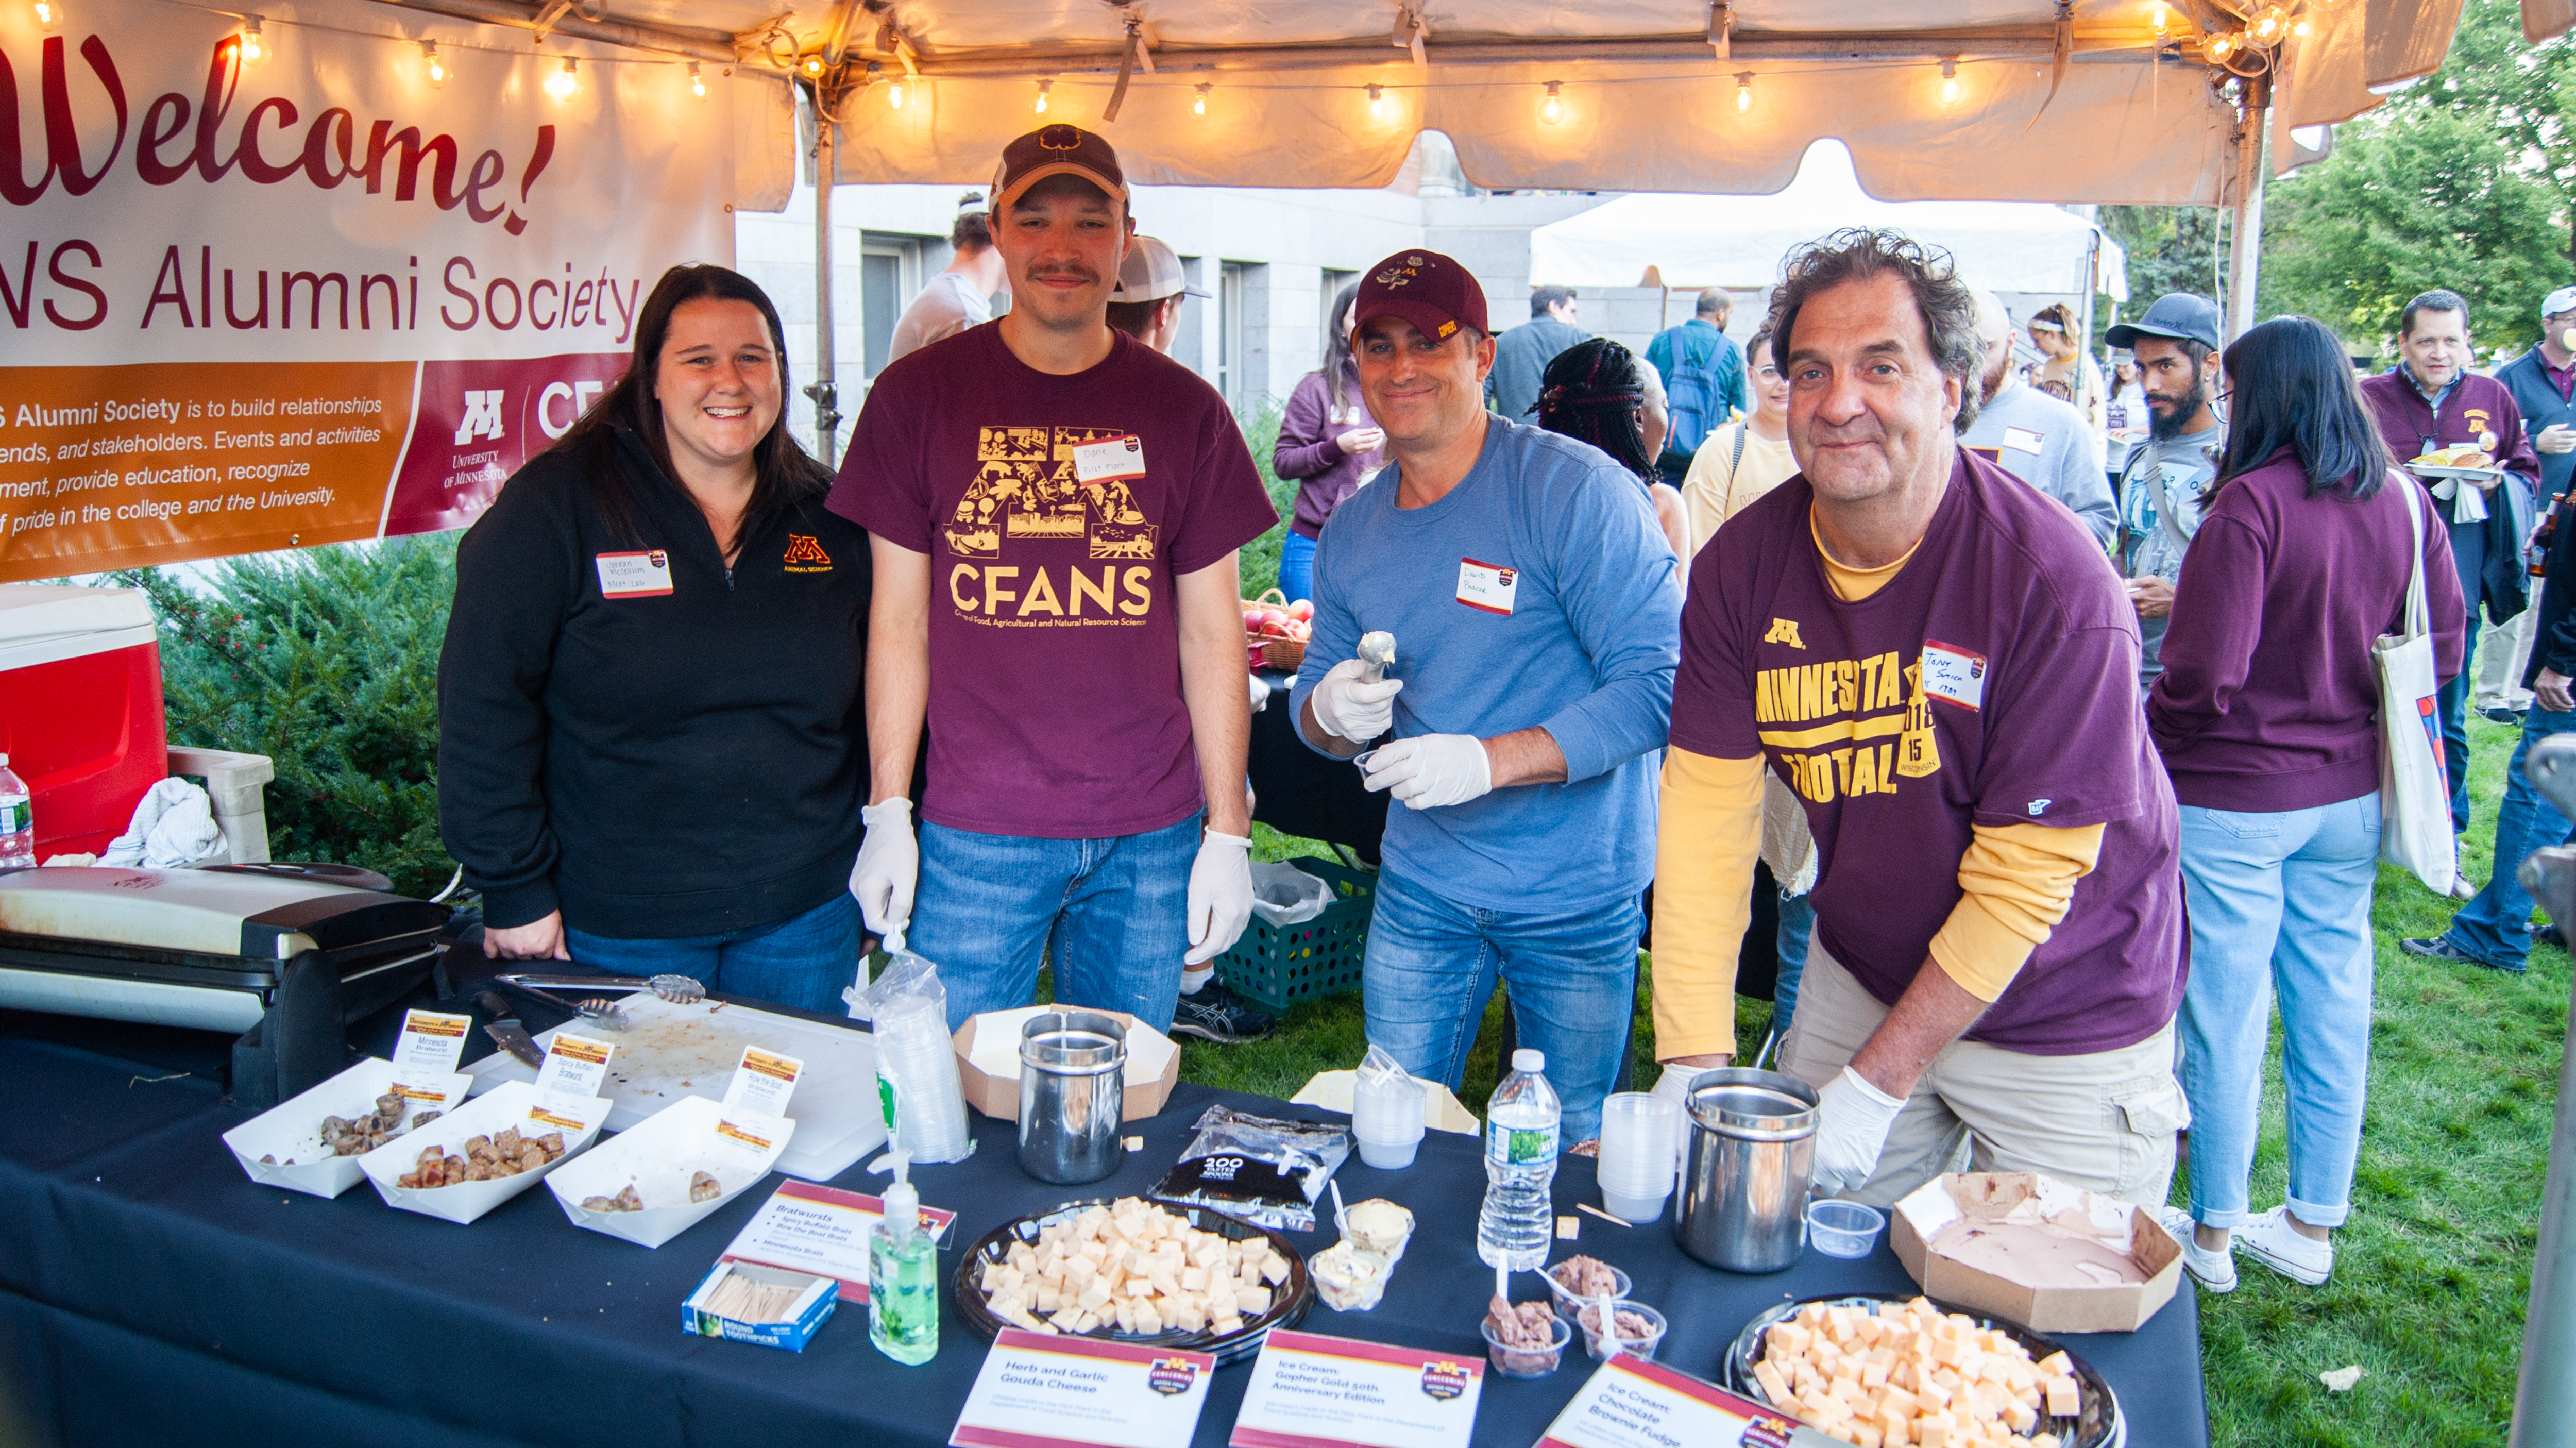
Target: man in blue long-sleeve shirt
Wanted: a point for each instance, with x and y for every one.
(1537, 627)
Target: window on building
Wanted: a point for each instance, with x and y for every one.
(1229, 325)
(889, 276)
(1325, 321)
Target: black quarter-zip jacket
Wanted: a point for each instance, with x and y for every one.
(663, 765)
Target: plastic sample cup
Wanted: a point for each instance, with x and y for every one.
(1843, 1229)
(1567, 1304)
(1527, 1362)
(1598, 1343)
(1386, 1120)
(1635, 1170)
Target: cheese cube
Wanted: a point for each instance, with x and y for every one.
(1147, 1318)
(2020, 1415)
(1194, 1279)
(2065, 1400)
(1865, 1435)
(1225, 1323)
(1812, 1315)
(1795, 1338)
(1848, 1391)
(1932, 1432)
(1274, 1270)
(1933, 1391)
(2043, 1440)
(1079, 1270)
(1898, 1401)
(1047, 1298)
(1125, 1310)
(1899, 1433)
(1187, 1313)
(1838, 1321)
(1774, 1390)
(1095, 1295)
(1139, 1287)
(1253, 1301)
(2055, 1365)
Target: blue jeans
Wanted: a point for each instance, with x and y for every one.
(1431, 968)
(1797, 923)
(804, 961)
(1297, 566)
(1111, 915)
(2279, 902)
(2454, 700)
(2496, 926)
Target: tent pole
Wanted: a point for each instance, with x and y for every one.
(2544, 1413)
(825, 388)
(2245, 240)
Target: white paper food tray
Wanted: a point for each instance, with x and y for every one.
(292, 1130)
(657, 1159)
(505, 1106)
(674, 1050)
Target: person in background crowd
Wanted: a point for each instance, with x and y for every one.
(1597, 391)
(1057, 508)
(961, 296)
(2164, 475)
(1521, 355)
(1152, 288)
(1704, 375)
(2036, 438)
(1738, 464)
(2267, 717)
(2124, 413)
(2064, 361)
(1533, 609)
(1936, 659)
(2430, 400)
(2540, 381)
(658, 614)
(1328, 444)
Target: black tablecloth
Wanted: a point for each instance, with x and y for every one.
(149, 1292)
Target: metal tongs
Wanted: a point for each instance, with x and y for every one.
(678, 989)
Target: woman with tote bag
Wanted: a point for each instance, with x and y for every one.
(2268, 716)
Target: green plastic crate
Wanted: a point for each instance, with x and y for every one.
(1279, 965)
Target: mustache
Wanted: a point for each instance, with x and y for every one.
(2172, 399)
(1075, 270)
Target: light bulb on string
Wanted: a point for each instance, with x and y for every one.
(1744, 93)
(2159, 18)
(2221, 46)
(1377, 102)
(48, 14)
(1552, 109)
(894, 96)
(2269, 26)
(2300, 27)
(1043, 87)
(814, 64)
(1950, 83)
(431, 65)
(697, 82)
(254, 45)
(564, 82)
(1198, 103)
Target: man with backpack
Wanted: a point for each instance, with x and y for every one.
(1703, 374)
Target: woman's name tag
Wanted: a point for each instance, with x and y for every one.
(634, 575)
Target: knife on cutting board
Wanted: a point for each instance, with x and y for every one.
(505, 1029)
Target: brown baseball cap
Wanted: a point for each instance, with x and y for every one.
(1431, 291)
(1057, 150)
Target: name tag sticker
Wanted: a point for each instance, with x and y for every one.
(1955, 675)
(1109, 460)
(2022, 439)
(634, 575)
(1488, 586)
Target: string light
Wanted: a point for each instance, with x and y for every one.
(1552, 110)
(1744, 93)
(1377, 102)
(1949, 82)
(431, 65)
(2269, 26)
(894, 95)
(2221, 46)
(2159, 18)
(253, 47)
(814, 65)
(1043, 87)
(48, 14)
(697, 82)
(1198, 103)
(564, 82)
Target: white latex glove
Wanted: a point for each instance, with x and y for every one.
(1851, 1130)
(1674, 1085)
(888, 870)
(1350, 707)
(1220, 902)
(1431, 770)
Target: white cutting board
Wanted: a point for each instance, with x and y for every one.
(672, 1050)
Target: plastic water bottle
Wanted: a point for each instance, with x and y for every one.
(17, 820)
(1521, 1126)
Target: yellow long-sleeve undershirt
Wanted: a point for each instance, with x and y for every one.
(2017, 882)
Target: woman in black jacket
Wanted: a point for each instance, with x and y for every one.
(651, 745)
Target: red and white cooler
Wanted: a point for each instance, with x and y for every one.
(80, 709)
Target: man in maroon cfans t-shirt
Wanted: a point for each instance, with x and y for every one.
(1055, 509)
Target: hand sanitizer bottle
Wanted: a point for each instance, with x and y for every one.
(903, 1275)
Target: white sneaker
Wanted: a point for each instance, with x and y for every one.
(2214, 1271)
(2272, 1241)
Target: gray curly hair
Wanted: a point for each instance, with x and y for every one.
(1860, 254)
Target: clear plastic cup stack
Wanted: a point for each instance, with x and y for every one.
(1636, 1166)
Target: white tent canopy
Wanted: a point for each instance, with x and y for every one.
(1738, 242)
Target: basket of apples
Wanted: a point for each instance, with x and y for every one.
(1275, 631)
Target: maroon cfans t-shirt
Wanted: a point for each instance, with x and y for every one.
(1055, 679)
(1992, 681)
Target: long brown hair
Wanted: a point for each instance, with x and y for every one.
(1338, 368)
(784, 474)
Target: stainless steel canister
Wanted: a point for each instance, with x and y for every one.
(1744, 1178)
(1073, 1094)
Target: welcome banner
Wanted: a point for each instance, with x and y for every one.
(316, 282)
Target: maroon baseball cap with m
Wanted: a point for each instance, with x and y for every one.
(1057, 150)
(1431, 291)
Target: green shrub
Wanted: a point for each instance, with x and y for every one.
(1260, 562)
(326, 661)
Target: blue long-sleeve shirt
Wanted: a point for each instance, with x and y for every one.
(1587, 652)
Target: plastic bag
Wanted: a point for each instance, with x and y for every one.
(1257, 1169)
(1286, 895)
(925, 1106)
(1378, 1068)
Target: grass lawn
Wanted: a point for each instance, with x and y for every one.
(2431, 1274)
